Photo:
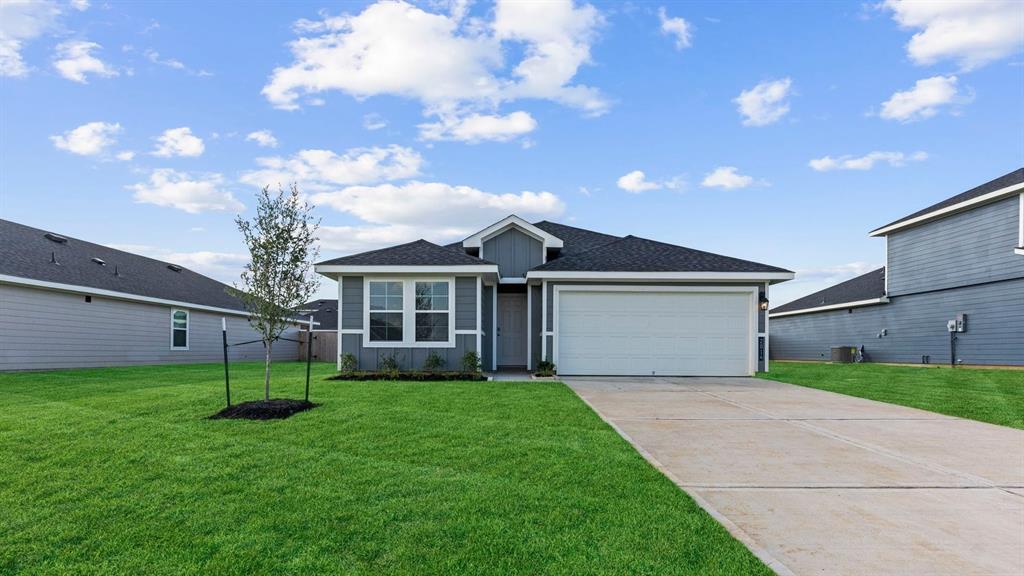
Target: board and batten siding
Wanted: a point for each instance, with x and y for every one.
(409, 358)
(514, 252)
(47, 329)
(915, 326)
(959, 250)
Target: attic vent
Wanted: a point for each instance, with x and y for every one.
(99, 261)
(55, 238)
(174, 267)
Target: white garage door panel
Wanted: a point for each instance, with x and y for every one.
(643, 333)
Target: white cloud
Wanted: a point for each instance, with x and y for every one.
(765, 103)
(970, 33)
(88, 139)
(193, 194)
(923, 100)
(480, 127)
(22, 21)
(179, 142)
(154, 57)
(374, 121)
(726, 177)
(436, 211)
(125, 155)
(452, 68)
(80, 5)
(264, 138)
(636, 182)
(865, 162)
(318, 170)
(74, 61)
(677, 27)
(223, 266)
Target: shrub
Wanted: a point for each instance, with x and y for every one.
(349, 362)
(470, 362)
(388, 364)
(434, 362)
(545, 368)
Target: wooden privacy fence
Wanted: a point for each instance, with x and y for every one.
(325, 346)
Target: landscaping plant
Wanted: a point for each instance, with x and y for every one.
(349, 363)
(471, 362)
(278, 278)
(434, 362)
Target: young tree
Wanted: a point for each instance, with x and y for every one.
(279, 277)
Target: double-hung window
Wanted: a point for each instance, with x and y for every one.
(432, 315)
(179, 329)
(410, 313)
(387, 313)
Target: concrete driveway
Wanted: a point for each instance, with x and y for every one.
(821, 483)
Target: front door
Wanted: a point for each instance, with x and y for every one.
(512, 329)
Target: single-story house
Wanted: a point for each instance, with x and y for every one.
(517, 293)
(960, 260)
(68, 303)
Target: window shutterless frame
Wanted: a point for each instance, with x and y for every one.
(410, 313)
(180, 320)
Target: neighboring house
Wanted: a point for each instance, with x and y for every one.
(962, 256)
(67, 303)
(324, 312)
(592, 303)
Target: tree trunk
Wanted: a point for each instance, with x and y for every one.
(266, 373)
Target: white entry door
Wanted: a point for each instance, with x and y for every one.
(655, 333)
(512, 329)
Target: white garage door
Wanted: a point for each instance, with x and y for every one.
(654, 333)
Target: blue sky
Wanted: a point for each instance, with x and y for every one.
(776, 132)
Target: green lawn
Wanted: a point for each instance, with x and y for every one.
(117, 471)
(995, 396)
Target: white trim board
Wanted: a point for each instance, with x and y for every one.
(958, 207)
(328, 269)
(653, 276)
(19, 281)
(840, 306)
(753, 307)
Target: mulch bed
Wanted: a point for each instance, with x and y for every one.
(264, 409)
(411, 375)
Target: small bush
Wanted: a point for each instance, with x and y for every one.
(434, 362)
(470, 362)
(545, 368)
(349, 362)
(388, 364)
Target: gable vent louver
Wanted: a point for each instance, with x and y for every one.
(174, 267)
(55, 238)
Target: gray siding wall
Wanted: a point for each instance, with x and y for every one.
(43, 329)
(915, 325)
(514, 252)
(487, 317)
(535, 325)
(408, 358)
(967, 248)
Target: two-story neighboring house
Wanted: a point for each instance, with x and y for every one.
(962, 258)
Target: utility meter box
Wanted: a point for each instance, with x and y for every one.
(961, 322)
(951, 325)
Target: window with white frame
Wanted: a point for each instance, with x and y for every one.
(387, 312)
(179, 329)
(432, 311)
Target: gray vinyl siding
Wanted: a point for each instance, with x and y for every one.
(465, 303)
(967, 248)
(352, 302)
(487, 317)
(535, 325)
(45, 329)
(915, 325)
(408, 358)
(464, 312)
(514, 252)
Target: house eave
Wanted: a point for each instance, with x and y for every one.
(772, 277)
(949, 210)
(839, 306)
(335, 270)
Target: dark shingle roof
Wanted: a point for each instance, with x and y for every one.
(863, 287)
(1015, 177)
(633, 254)
(574, 240)
(26, 252)
(325, 313)
(417, 253)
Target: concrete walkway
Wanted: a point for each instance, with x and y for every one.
(821, 483)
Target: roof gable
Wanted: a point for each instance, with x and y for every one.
(416, 253)
(546, 238)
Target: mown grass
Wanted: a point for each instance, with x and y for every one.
(994, 396)
(117, 471)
